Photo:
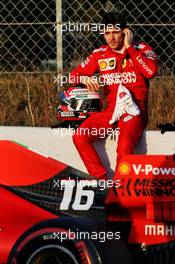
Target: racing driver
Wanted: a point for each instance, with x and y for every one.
(124, 62)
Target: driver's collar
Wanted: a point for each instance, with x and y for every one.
(122, 51)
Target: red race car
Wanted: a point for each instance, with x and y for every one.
(32, 228)
(41, 219)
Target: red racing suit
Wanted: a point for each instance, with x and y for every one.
(132, 68)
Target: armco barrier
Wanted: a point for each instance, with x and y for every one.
(49, 142)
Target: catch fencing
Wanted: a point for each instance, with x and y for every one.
(39, 40)
(43, 35)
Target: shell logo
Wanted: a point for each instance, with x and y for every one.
(103, 65)
(124, 168)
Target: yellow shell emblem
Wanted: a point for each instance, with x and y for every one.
(103, 65)
(124, 168)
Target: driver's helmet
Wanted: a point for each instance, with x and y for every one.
(78, 103)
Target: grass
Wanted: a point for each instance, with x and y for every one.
(27, 100)
(31, 100)
(161, 102)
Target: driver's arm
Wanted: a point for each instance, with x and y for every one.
(83, 74)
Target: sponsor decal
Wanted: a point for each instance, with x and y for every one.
(107, 64)
(142, 63)
(67, 114)
(148, 177)
(124, 63)
(103, 65)
(159, 230)
(151, 169)
(112, 63)
(117, 78)
(145, 169)
(79, 91)
(83, 96)
(124, 168)
(150, 54)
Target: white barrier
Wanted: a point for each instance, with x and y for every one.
(49, 142)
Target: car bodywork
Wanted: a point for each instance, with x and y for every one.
(27, 229)
(145, 197)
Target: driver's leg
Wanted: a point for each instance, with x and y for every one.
(93, 128)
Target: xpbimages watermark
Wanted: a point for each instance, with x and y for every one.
(74, 190)
(101, 236)
(104, 79)
(84, 27)
(102, 132)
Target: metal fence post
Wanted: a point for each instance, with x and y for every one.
(59, 48)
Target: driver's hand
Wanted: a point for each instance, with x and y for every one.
(128, 37)
(91, 83)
